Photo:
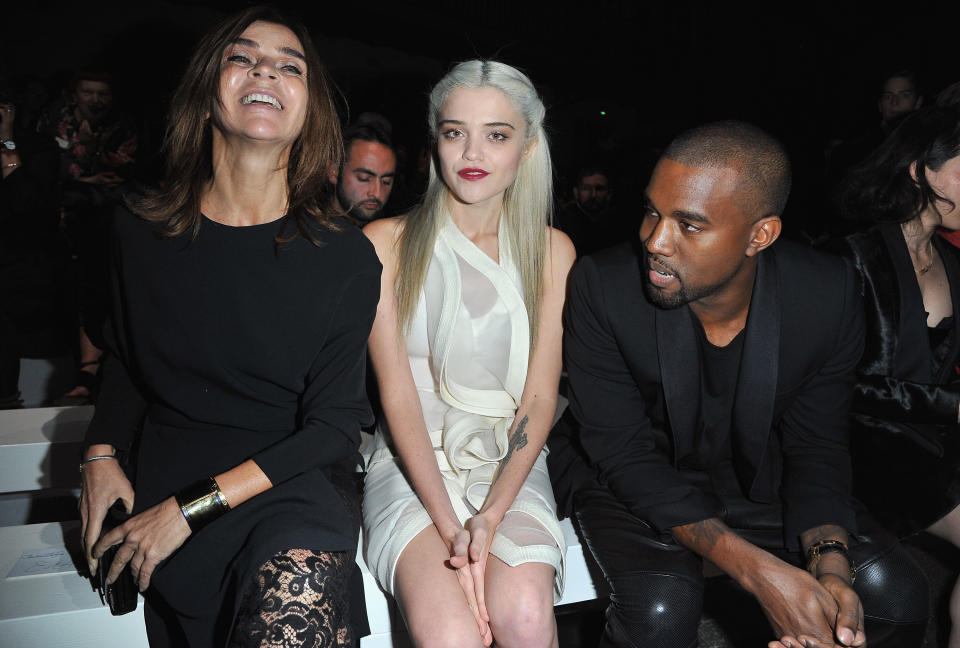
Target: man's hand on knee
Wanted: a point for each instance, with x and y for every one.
(808, 613)
(848, 626)
(829, 562)
(803, 610)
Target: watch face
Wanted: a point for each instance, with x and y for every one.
(10, 145)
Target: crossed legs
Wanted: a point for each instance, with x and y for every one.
(519, 599)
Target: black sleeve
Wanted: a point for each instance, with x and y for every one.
(902, 401)
(121, 405)
(615, 431)
(334, 405)
(815, 431)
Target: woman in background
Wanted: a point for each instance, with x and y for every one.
(459, 516)
(906, 449)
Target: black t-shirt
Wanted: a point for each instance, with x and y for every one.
(719, 371)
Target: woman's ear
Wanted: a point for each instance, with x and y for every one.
(528, 149)
(913, 172)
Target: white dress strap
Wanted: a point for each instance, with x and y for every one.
(474, 435)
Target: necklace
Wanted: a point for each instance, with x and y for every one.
(922, 270)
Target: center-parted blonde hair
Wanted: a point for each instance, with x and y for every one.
(527, 202)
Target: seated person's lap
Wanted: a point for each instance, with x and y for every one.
(657, 584)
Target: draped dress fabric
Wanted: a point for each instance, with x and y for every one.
(468, 346)
(227, 348)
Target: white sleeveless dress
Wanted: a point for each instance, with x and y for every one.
(468, 346)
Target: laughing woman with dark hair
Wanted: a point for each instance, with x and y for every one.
(241, 312)
(906, 448)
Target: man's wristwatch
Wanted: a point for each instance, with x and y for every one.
(8, 145)
(831, 546)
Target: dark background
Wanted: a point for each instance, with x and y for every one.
(807, 71)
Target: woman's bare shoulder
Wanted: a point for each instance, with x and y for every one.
(560, 247)
(384, 233)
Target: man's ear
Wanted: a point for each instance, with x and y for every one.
(332, 174)
(763, 234)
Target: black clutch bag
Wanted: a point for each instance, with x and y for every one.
(121, 596)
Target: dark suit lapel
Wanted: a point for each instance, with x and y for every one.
(757, 384)
(680, 375)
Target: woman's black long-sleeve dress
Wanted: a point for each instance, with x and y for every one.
(905, 446)
(229, 348)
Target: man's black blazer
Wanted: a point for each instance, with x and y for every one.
(635, 391)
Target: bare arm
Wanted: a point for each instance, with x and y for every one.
(818, 606)
(408, 430)
(398, 392)
(538, 403)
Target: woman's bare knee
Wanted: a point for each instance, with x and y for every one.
(948, 527)
(520, 603)
(430, 596)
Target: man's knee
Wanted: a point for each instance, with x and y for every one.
(892, 586)
(895, 595)
(653, 610)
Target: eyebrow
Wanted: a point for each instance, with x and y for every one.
(457, 122)
(691, 216)
(374, 173)
(678, 213)
(289, 51)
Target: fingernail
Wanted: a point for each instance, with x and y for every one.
(845, 636)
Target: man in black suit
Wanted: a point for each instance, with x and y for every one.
(710, 379)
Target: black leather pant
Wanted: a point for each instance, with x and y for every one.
(657, 585)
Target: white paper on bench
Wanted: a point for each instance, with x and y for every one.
(37, 562)
(60, 609)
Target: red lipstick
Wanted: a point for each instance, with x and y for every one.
(472, 174)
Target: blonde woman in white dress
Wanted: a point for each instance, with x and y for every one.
(459, 517)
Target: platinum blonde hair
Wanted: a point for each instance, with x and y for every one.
(527, 202)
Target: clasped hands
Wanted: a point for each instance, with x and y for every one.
(469, 548)
(146, 539)
(808, 612)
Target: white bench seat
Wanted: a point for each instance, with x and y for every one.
(38, 452)
(59, 610)
(62, 609)
(40, 447)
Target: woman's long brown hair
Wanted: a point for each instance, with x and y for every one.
(188, 144)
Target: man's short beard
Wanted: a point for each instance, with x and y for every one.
(354, 210)
(682, 297)
(661, 299)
